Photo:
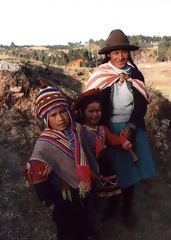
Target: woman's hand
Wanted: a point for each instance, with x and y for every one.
(126, 131)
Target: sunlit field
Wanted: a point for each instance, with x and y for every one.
(158, 75)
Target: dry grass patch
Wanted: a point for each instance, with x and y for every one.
(158, 76)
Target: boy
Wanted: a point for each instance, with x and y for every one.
(58, 168)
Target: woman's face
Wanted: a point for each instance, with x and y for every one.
(93, 114)
(119, 58)
(58, 119)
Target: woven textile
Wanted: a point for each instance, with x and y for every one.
(106, 74)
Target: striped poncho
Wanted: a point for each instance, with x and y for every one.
(53, 148)
(106, 74)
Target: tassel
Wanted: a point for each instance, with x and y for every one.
(84, 189)
(69, 195)
(64, 196)
(84, 174)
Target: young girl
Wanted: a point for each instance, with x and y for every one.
(58, 168)
(88, 107)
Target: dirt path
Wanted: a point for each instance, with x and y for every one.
(153, 206)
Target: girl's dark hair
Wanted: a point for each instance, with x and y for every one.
(80, 112)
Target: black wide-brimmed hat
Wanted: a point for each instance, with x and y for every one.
(117, 40)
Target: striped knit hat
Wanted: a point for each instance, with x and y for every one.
(49, 99)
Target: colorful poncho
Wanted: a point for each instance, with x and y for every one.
(53, 148)
(98, 139)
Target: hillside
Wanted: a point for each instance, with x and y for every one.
(76, 55)
(22, 216)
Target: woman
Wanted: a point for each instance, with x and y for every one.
(125, 98)
(58, 168)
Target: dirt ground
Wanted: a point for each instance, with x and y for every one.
(23, 217)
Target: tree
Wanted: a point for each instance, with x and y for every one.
(12, 46)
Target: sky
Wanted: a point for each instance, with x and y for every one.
(54, 22)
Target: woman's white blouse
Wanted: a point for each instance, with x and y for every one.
(123, 102)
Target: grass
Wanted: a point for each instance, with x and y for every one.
(158, 76)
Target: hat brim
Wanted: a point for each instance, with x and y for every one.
(107, 50)
(92, 92)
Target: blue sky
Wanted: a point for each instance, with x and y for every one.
(42, 22)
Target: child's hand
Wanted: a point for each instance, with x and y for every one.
(126, 131)
(126, 144)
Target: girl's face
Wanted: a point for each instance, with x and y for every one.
(58, 119)
(119, 58)
(93, 114)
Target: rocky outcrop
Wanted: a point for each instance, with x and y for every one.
(9, 66)
(17, 115)
(19, 84)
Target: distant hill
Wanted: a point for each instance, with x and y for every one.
(152, 49)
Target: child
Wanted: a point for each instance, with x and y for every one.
(88, 109)
(58, 169)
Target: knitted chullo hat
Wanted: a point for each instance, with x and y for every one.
(49, 99)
